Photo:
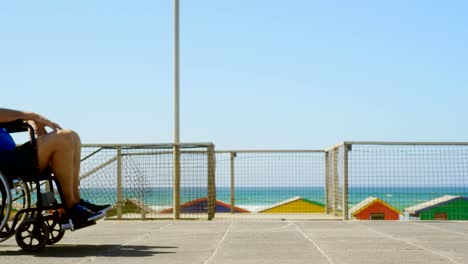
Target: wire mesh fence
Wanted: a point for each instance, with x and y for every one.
(139, 180)
(335, 179)
(353, 180)
(270, 182)
(408, 181)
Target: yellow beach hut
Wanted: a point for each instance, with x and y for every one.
(295, 205)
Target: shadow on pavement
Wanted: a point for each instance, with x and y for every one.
(74, 251)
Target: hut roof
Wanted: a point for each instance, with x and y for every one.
(432, 203)
(290, 200)
(201, 202)
(356, 209)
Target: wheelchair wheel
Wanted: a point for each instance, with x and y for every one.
(5, 204)
(12, 201)
(55, 231)
(32, 234)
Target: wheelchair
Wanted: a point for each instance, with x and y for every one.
(29, 208)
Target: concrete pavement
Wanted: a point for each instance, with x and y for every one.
(254, 241)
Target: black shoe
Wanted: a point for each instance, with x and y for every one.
(81, 216)
(94, 207)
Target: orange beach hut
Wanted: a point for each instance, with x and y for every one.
(373, 208)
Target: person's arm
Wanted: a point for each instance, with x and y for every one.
(9, 115)
(39, 122)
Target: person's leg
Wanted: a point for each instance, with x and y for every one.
(61, 151)
(76, 164)
(57, 150)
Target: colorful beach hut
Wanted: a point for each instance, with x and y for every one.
(295, 205)
(200, 205)
(447, 207)
(373, 208)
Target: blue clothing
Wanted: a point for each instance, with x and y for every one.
(6, 141)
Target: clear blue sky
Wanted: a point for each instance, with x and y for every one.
(254, 74)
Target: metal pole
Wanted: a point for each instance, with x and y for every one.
(176, 154)
(176, 187)
(335, 181)
(119, 183)
(345, 181)
(211, 183)
(176, 74)
(233, 198)
(327, 183)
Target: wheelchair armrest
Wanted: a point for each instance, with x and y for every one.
(16, 126)
(22, 126)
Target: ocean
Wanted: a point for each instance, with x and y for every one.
(255, 198)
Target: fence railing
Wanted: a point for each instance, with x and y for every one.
(406, 180)
(351, 180)
(139, 179)
(270, 182)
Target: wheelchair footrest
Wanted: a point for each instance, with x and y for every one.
(77, 226)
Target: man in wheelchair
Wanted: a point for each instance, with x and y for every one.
(59, 150)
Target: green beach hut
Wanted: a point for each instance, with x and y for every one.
(447, 207)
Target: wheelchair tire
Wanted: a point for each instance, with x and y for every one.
(5, 203)
(32, 235)
(20, 197)
(55, 231)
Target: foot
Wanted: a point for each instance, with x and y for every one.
(94, 207)
(80, 216)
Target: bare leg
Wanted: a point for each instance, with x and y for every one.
(57, 150)
(76, 164)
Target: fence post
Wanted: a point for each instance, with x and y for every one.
(233, 197)
(335, 181)
(211, 183)
(176, 182)
(327, 184)
(119, 183)
(142, 202)
(346, 147)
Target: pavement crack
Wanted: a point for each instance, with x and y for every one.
(218, 246)
(411, 243)
(441, 229)
(313, 243)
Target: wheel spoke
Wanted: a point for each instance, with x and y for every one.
(25, 234)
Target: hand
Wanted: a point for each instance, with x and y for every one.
(40, 123)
